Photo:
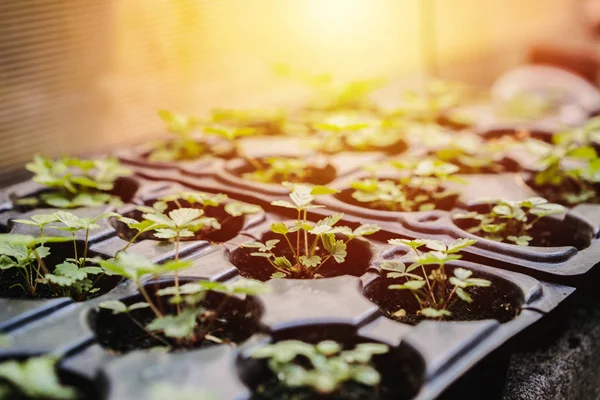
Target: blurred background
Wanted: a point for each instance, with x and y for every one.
(81, 76)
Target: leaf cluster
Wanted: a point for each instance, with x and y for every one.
(434, 291)
(419, 187)
(280, 169)
(315, 244)
(329, 365)
(75, 182)
(72, 277)
(511, 221)
(192, 321)
(34, 378)
(569, 172)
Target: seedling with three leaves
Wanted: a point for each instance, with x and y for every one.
(329, 366)
(511, 221)
(73, 277)
(434, 291)
(569, 173)
(34, 378)
(73, 182)
(309, 246)
(419, 188)
(187, 322)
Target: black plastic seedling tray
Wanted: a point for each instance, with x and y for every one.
(429, 357)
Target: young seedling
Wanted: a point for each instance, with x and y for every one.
(309, 247)
(329, 366)
(73, 276)
(192, 322)
(281, 169)
(233, 136)
(265, 121)
(569, 173)
(34, 378)
(438, 98)
(473, 155)
(346, 132)
(176, 224)
(420, 188)
(73, 182)
(332, 96)
(184, 143)
(511, 221)
(434, 291)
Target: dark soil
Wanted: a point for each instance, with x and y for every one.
(502, 301)
(356, 263)
(401, 369)
(447, 203)
(230, 226)
(518, 134)
(237, 320)
(313, 175)
(58, 253)
(547, 232)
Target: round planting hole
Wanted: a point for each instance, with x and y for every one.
(13, 282)
(230, 319)
(317, 174)
(230, 226)
(547, 232)
(356, 262)
(501, 301)
(401, 369)
(445, 203)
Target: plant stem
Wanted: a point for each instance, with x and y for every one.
(75, 247)
(291, 246)
(130, 242)
(175, 273)
(150, 333)
(155, 310)
(305, 235)
(85, 248)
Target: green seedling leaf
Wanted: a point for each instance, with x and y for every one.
(238, 209)
(433, 313)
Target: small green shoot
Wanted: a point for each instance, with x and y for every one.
(329, 365)
(434, 291)
(34, 378)
(307, 247)
(511, 221)
(190, 322)
(420, 188)
(74, 182)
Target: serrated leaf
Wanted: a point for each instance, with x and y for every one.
(280, 228)
(236, 209)
(310, 262)
(460, 244)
